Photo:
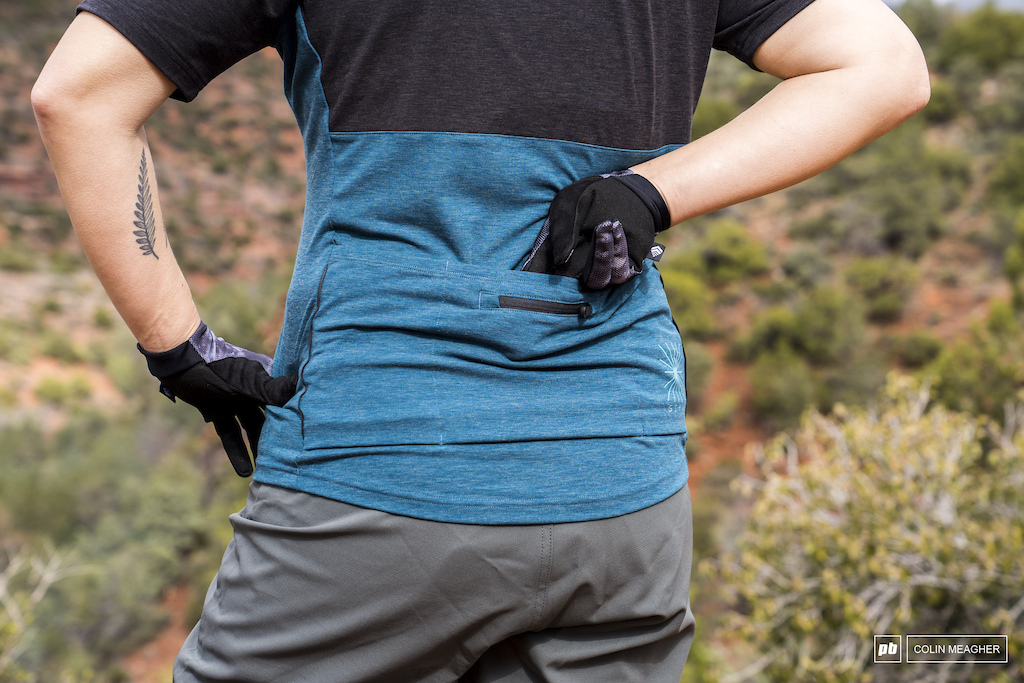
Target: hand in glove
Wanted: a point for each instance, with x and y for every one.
(600, 229)
(229, 385)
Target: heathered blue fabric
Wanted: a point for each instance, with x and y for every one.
(419, 394)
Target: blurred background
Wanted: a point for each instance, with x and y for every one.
(855, 371)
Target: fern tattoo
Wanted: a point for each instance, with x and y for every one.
(145, 221)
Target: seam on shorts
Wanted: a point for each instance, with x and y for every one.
(546, 562)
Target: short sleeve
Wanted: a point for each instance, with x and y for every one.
(191, 41)
(744, 24)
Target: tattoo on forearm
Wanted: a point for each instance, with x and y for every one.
(145, 220)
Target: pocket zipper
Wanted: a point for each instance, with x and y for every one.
(583, 310)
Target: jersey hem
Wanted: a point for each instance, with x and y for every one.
(497, 514)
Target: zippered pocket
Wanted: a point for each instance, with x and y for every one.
(581, 309)
(417, 353)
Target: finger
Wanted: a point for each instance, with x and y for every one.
(621, 268)
(252, 422)
(231, 436)
(600, 271)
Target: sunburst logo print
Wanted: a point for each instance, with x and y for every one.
(675, 368)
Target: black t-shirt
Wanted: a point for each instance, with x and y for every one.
(615, 73)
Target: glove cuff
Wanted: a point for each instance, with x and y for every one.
(180, 358)
(649, 195)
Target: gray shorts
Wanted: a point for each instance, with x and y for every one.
(314, 590)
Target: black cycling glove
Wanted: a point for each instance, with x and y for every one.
(229, 385)
(600, 229)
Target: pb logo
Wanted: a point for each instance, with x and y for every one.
(887, 649)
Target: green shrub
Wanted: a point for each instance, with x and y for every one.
(949, 277)
(944, 104)
(16, 257)
(724, 253)
(52, 390)
(13, 346)
(1013, 263)
(829, 325)
(124, 497)
(989, 36)
(782, 386)
(59, 393)
(916, 349)
(50, 304)
(126, 367)
(952, 167)
(928, 21)
(699, 363)
(902, 519)
(102, 318)
(1006, 113)
(65, 262)
(806, 265)
(966, 77)
(1006, 181)
(827, 230)
(891, 196)
(853, 380)
(824, 328)
(721, 413)
(982, 373)
(772, 328)
(238, 310)
(58, 345)
(772, 291)
(885, 283)
(692, 303)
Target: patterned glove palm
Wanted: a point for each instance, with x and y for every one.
(228, 384)
(600, 229)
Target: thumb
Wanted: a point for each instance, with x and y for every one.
(279, 390)
(250, 378)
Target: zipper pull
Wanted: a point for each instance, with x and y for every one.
(585, 311)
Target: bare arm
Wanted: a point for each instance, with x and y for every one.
(852, 71)
(91, 101)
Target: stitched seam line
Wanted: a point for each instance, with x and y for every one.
(309, 355)
(546, 560)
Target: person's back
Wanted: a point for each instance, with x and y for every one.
(473, 459)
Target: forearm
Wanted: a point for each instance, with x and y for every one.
(109, 187)
(804, 126)
(105, 171)
(808, 123)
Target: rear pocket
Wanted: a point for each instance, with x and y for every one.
(431, 352)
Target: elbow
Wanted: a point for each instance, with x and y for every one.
(43, 103)
(64, 114)
(910, 82)
(917, 90)
(48, 105)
